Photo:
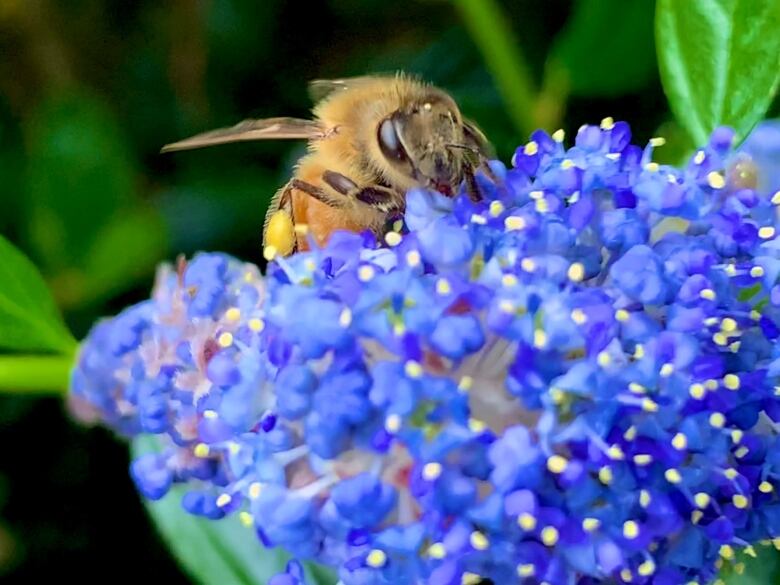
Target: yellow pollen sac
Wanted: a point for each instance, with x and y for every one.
(622, 315)
(557, 464)
(466, 383)
(225, 339)
(576, 272)
(496, 208)
(607, 123)
(201, 450)
(647, 568)
(702, 500)
(431, 470)
(591, 524)
(766, 232)
(673, 476)
(376, 558)
(740, 501)
(720, 338)
(731, 381)
(649, 405)
(246, 519)
(479, 541)
(393, 423)
(579, 316)
(716, 180)
(527, 570)
(630, 529)
(254, 490)
(366, 273)
(765, 487)
(437, 551)
(707, 294)
(514, 223)
(540, 339)
(256, 325)
(717, 420)
(345, 317)
(413, 258)
(413, 369)
(233, 314)
(531, 148)
(680, 442)
(280, 233)
(526, 521)
(549, 535)
(392, 239)
(643, 459)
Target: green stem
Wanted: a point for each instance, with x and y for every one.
(34, 374)
(491, 32)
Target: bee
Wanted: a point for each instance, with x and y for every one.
(371, 139)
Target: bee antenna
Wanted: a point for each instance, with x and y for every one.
(463, 147)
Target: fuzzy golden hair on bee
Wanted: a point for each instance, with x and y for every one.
(371, 139)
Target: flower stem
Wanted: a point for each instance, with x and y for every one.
(34, 374)
(504, 59)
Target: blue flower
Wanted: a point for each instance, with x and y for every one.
(571, 381)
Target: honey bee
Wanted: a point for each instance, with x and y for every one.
(371, 140)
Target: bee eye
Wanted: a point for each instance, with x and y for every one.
(389, 142)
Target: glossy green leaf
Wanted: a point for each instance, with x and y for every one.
(607, 47)
(29, 319)
(719, 61)
(216, 552)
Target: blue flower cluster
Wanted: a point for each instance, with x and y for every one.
(576, 380)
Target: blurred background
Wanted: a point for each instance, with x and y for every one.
(91, 89)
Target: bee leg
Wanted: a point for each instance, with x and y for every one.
(319, 194)
(376, 196)
(472, 188)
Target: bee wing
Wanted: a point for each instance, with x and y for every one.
(268, 129)
(319, 89)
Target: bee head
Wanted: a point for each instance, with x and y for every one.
(418, 140)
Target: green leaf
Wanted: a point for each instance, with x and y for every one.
(719, 61)
(80, 176)
(763, 570)
(607, 47)
(29, 319)
(216, 552)
(126, 251)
